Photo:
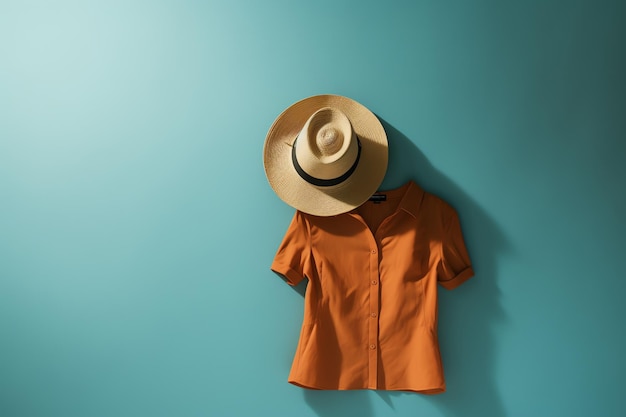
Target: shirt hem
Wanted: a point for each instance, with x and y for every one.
(423, 391)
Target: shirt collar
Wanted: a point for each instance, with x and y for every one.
(412, 199)
(410, 202)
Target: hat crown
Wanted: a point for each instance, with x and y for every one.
(326, 146)
(329, 140)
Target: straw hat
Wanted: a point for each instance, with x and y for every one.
(325, 155)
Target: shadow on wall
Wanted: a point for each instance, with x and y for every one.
(468, 315)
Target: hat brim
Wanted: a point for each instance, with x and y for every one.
(337, 199)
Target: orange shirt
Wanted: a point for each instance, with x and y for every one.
(370, 308)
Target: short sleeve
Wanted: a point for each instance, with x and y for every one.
(293, 253)
(455, 267)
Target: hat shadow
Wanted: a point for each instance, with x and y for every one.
(468, 316)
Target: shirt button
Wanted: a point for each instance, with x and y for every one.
(372, 347)
(374, 282)
(373, 315)
(373, 251)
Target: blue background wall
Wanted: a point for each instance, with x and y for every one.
(137, 226)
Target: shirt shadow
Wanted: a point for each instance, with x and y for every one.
(468, 316)
(340, 403)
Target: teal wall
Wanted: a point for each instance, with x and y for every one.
(137, 226)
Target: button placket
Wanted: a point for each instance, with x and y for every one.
(374, 303)
(373, 321)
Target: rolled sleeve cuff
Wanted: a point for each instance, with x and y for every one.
(290, 275)
(459, 279)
